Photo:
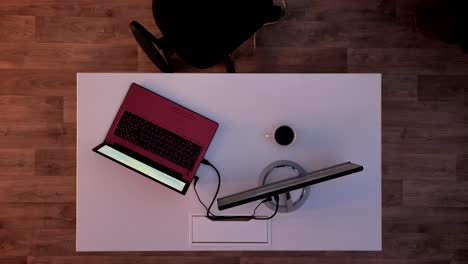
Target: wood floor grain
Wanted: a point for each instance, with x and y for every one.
(15, 189)
(79, 8)
(46, 82)
(55, 162)
(125, 260)
(13, 260)
(69, 56)
(399, 88)
(419, 139)
(432, 220)
(408, 60)
(17, 108)
(78, 30)
(37, 134)
(15, 242)
(34, 216)
(17, 28)
(420, 166)
(460, 256)
(441, 113)
(392, 194)
(440, 193)
(443, 88)
(462, 167)
(295, 60)
(16, 162)
(44, 43)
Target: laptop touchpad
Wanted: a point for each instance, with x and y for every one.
(206, 231)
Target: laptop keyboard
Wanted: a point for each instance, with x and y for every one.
(157, 140)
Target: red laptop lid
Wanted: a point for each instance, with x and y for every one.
(168, 115)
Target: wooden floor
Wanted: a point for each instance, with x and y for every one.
(43, 43)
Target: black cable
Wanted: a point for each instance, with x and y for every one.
(198, 196)
(258, 205)
(214, 217)
(195, 189)
(221, 216)
(206, 162)
(271, 216)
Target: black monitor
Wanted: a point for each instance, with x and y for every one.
(287, 185)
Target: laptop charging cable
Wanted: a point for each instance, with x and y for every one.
(214, 217)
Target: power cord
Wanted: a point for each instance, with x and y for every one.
(214, 217)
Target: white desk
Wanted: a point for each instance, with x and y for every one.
(337, 118)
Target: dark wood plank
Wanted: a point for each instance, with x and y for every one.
(392, 192)
(17, 28)
(422, 246)
(334, 33)
(399, 87)
(38, 82)
(33, 216)
(313, 260)
(66, 56)
(443, 88)
(292, 254)
(423, 113)
(435, 193)
(15, 108)
(460, 257)
(462, 167)
(16, 162)
(409, 61)
(69, 109)
(15, 242)
(81, 8)
(33, 135)
(419, 166)
(342, 10)
(126, 259)
(299, 60)
(55, 162)
(38, 189)
(421, 140)
(405, 11)
(433, 220)
(13, 260)
(78, 30)
(55, 242)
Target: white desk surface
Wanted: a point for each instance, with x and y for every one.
(337, 118)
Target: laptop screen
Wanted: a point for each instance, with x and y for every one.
(141, 167)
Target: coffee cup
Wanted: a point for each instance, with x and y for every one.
(283, 135)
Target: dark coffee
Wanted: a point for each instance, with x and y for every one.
(284, 135)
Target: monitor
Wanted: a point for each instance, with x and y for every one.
(290, 184)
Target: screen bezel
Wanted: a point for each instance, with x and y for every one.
(258, 193)
(183, 191)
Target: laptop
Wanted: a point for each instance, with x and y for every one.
(158, 138)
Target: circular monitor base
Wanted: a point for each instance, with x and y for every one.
(289, 201)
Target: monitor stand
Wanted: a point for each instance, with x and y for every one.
(289, 201)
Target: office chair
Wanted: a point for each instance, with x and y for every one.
(202, 33)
